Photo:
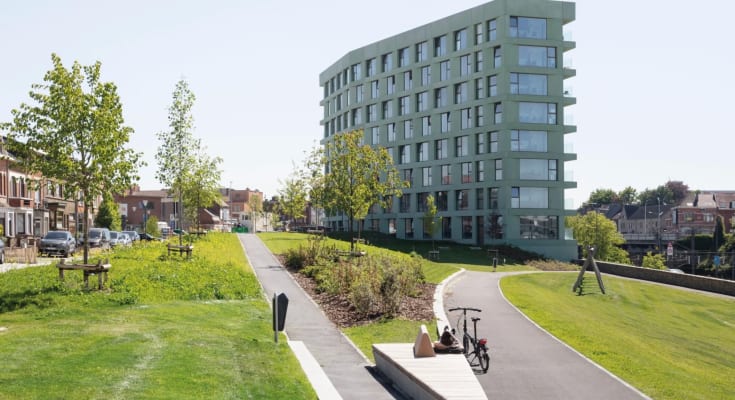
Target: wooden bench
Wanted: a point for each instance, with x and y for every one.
(433, 254)
(100, 269)
(181, 249)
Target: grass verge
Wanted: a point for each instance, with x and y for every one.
(668, 343)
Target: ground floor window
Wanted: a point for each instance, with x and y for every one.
(539, 227)
(447, 228)
(408, 222)
(466, 227)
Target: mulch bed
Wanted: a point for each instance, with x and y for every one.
(339, 310)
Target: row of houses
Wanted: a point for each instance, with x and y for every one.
(656, 224)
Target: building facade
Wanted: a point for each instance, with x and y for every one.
(471, 108)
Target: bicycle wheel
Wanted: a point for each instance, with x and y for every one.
(484, 359)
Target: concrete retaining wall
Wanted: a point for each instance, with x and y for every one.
(705, 283)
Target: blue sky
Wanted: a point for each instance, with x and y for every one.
(653, 77)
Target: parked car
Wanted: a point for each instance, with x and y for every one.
(133, 235)
(57, 242)
(99, 237)
(148, 238)
(123, 239)
(115, 238)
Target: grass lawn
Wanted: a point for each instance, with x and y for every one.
(165, 328)
(391, 331)
(668, 343)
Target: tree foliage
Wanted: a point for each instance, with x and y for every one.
(603, 196)
(74, 133)
(108, 215)
(628, 195)
(358, 176)
(594, 230)
(430, 221)
(201, 190)
(292, 198)
(654, 261)
(312, 176)
(255, 204)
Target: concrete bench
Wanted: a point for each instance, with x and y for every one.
(422, 374)
(100, 269)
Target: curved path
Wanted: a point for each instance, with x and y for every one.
(527, 362)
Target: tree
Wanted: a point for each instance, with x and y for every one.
(151, 226)
(176, 153)
(108, 215)
(255, 203)
(678, 190)
(74, 133)
(603, 196)
(312, 175)
(718, 237)
(653, 261)
(358, 176)
(594, 230)
(628, 195)
(430, 220)
(292, 200)
(202, 189)
(660, 195)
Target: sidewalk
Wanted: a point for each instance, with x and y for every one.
(347, 369)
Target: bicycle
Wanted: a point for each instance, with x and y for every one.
(479, 355)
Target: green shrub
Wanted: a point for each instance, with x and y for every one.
(363, 295)
(654, 261)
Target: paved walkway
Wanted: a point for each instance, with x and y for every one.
(527, 362)
(347, 369)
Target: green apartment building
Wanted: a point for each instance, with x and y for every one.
(471, 108)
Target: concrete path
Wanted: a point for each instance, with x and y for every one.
(527, 362)
(347, 369)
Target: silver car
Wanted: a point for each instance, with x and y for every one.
(58, 242)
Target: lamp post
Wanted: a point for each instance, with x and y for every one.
(658, 224)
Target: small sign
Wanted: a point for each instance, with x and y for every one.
(670, 250)
(716, 261)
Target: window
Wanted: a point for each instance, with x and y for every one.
(493, 197)
(467, 173)
(407, 176)
(391, 128)
(446, 174)
(444, 71)
(408, 227)
(441, 99)
(460, 40)
(529, 197)
(537, 56)
(462, 146)
(405, 203)
(405, 153)
(524, 27)
(404, 105)
(533, 84)
(370, 67)
(422, 51)
(392, 154)
(426, 176)
(465, 65)
(479, 116)
(539, 227)
(388, 109)
(359, 93)
(479, 89)
(463, 199)
(492, 30)
(391, 84)
(478, 61)
(466, 227)
(403, 57)
(535, 141)
(440, 46)
(478, 34)
(422, 101)
(441, 148)
(387, 62)
(465, 118)
(480, 198)
(494, 142)
(375, 133)
(407, 80)
(408, 129)
(425, 75)
(480, 177)
(461, 93)
(426, 126)
(480, 143)
(492, 86)
(537, 169)
(498, 107)
(497, 56)
(498, 169)
(441, 201)
(446, 228)
(421, 201)
(537, 113)
(374, 89)
(372, 113)
(423, 150)
(356, 72)
(446, 122)
(356, 116)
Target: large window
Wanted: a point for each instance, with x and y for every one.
(498, 112)
(388, 109)
(390, 83)
(479, 116)
(478, 61)
(492, 85)
(440, 46)
(499, 169)
(441, 201)
(537, 56)
(374, 89)
(407, 80)
(462, 146)
(465, 118)
(479, 89)
(407, 176)
(372, 113)
(408, 129)
(498, 56)
(445, 70)
(356, 72)
(371, 66)
(408, 227)
(441, 149)
(537, 113)
(446, 122)
(359, 93)
(462, 199)
(525, 27)
(479, 198)
(494, 141)
(529, 197)
(425, 75)
(421, 198)
(375, 134)
(539, 227)
(541, 170)
(441, 97)
(535, 141)
(478, 33)
(425, 126)
(426, 176)
(461, 93)
(466, 227)
(423, 151)
(492, 30)
(405, 152)
(422, 51)
(391, 130)
(480, 171)
(467, 173)
(465, 65)
(446, 174)
(534, 84)
(356, 116)
(446, 228)
(480, 143)
(403, 57)
(422, 101)
(404, 106)
(460, 40)
(387, 62)
(405, 203)
(494, 195)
